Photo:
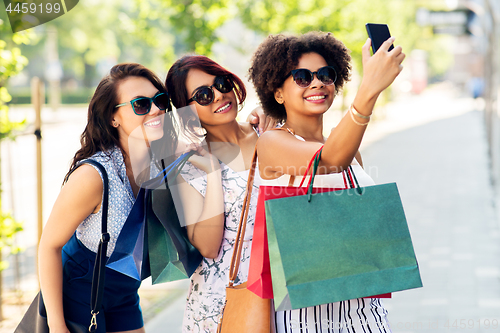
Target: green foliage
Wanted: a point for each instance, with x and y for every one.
(98, 34)
(344, 18)
(8, 228)
(22, 95)
(192, 23)
(11, 63)
(195, 22)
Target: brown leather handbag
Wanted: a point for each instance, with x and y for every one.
(244, 312)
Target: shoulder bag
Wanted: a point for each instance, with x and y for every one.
(35, 319)
(244, 312)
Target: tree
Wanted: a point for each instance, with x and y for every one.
(196, 21)
(11, 63)
(98, 34)
(344, 18)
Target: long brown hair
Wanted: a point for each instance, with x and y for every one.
(99, 134)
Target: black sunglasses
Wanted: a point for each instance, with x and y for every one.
(304, 77)
(142, 105)
(205, 95)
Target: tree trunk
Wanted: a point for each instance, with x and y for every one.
(89, 75)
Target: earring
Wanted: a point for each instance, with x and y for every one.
(280, 101)
(115, 124)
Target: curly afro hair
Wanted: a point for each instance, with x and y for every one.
(279, 54)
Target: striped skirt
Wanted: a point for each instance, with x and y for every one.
(364, 315)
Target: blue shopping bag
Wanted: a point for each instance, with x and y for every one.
(131, 253)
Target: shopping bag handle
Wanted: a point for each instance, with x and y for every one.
(347, 173)
(309, 168)
(175, 165)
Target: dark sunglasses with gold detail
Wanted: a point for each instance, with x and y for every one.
(205, 95)
(304, 77)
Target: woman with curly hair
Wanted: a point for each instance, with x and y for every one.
(297, 78)
(212, 184)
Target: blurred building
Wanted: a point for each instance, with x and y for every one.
(476, 65)
(488, 12)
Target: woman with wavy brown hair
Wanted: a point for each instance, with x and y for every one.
(128, 98)
(212, 185)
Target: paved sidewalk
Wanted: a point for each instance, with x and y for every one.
(442, 171)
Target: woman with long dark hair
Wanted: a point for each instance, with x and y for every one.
(212, 186)
(128, 98)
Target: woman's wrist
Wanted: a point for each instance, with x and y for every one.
(365, 95)
(215, 173)
(57, 325)
(364, 102)
(355, 114)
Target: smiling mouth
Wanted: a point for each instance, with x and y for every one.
(315, 98)
(223, 108)
(153, 123)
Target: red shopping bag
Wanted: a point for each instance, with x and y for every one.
(259, 274)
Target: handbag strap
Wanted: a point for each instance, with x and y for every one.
(98, 276)
(238, 244)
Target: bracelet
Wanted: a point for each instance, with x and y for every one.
(355, 121)
(356, 113)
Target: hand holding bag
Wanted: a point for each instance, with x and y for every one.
(244, 312)
(171, 254)
(334, 246)
(259, 275)
(131, 253)
(35, 319)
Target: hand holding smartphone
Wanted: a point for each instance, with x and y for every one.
(378, 34)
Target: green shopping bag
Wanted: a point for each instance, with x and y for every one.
(334, 246)
(163, 256)
(171, 255)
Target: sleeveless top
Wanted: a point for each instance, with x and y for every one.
(358, 315)
(121, 200)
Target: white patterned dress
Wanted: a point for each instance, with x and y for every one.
(207, 291)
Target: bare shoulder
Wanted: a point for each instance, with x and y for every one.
(79, 197)
(85, 179)
(274, 138)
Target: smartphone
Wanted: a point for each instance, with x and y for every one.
(378, 33)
